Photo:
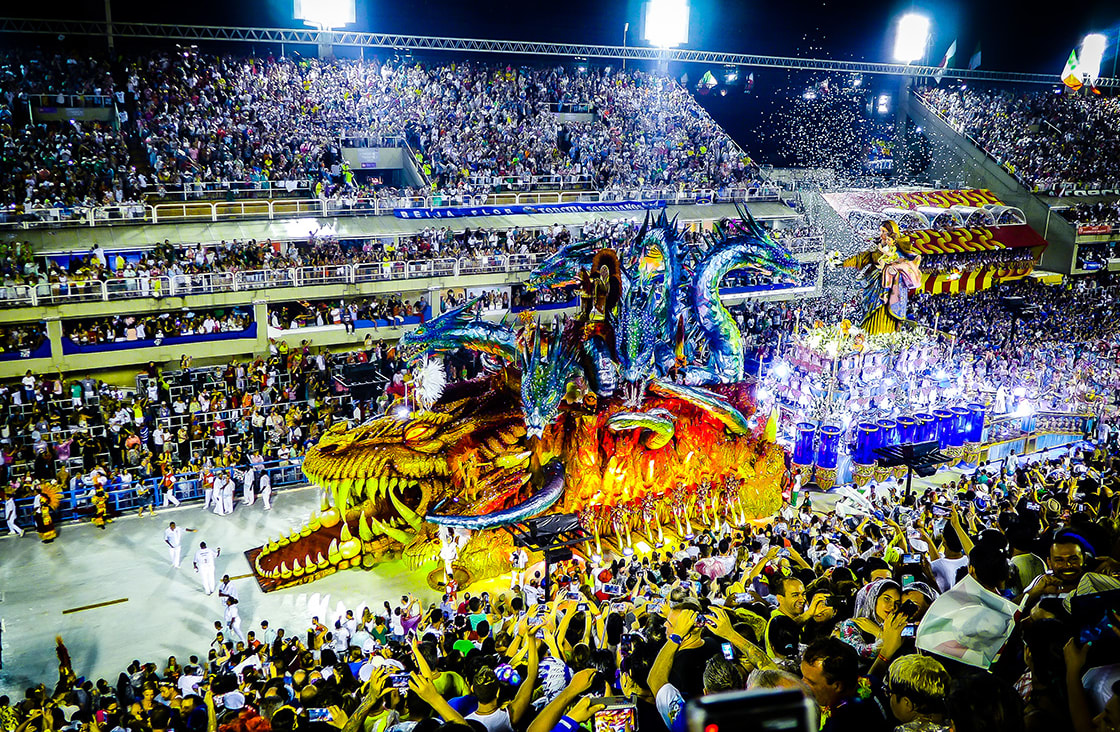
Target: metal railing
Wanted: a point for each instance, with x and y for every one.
(75, 504)
(383, 205)
(528, 182)
(70, 100)
(185, 285)
(246, 189)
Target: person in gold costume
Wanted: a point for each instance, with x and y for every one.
(892, 270)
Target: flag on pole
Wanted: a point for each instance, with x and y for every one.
(949, 54)
(974, 62)
(1070, 75)
(707, 81)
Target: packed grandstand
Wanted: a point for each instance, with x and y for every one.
(960, 576)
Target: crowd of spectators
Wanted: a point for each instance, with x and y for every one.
(1048, 140)
(831, 605)
(25, 337)
(1095, 255)
(159, 327)
(964, 262)
(382, 310)
(1093, 214)
(474, 128)
(58, 161)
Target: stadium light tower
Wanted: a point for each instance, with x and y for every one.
(911, 38)
(666, 23)
(1092, 53)
(326, 15)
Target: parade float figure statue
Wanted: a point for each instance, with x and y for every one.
(546, 431)
(892, 270)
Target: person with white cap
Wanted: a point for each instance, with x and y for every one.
(204, 560)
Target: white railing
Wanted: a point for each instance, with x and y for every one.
(261, 208)
(70, 100)
(249, 189)
(527, 182)
(185, 285)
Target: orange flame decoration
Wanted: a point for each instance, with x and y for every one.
(613, 476)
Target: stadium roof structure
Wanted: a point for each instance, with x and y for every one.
(359, 39)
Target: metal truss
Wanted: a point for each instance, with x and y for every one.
(354, 39)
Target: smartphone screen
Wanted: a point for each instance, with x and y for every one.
(400, 681)
(612, 590)
(728, 651)
(741, 598)
(910, 559)
(575, 596)
(907, 580)
(619, 715)
(582, 606)
(320, 715)
(909, 631)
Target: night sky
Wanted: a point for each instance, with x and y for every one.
(1012, 38)
(1032, 36)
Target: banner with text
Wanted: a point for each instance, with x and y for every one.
(541, 208)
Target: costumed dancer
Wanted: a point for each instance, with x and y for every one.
(100, 503)
(892, 271)
(46, 501)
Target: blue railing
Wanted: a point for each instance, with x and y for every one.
(75, 505)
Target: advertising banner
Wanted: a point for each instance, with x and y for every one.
(542, 208)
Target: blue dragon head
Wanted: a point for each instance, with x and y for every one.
(758, 251)
(435, 336)
(563, 267)
(547, 361)
(458, 328)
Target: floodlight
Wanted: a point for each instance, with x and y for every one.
(666, 22)
(1092, 51)
(911, 38)
(325, 14)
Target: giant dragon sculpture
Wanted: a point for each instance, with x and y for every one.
(634, 416)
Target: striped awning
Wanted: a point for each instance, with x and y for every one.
(969, 282)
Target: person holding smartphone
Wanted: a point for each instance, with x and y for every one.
(717, 674)
(494, 715)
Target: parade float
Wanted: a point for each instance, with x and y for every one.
(835, 373)
(635, 417)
